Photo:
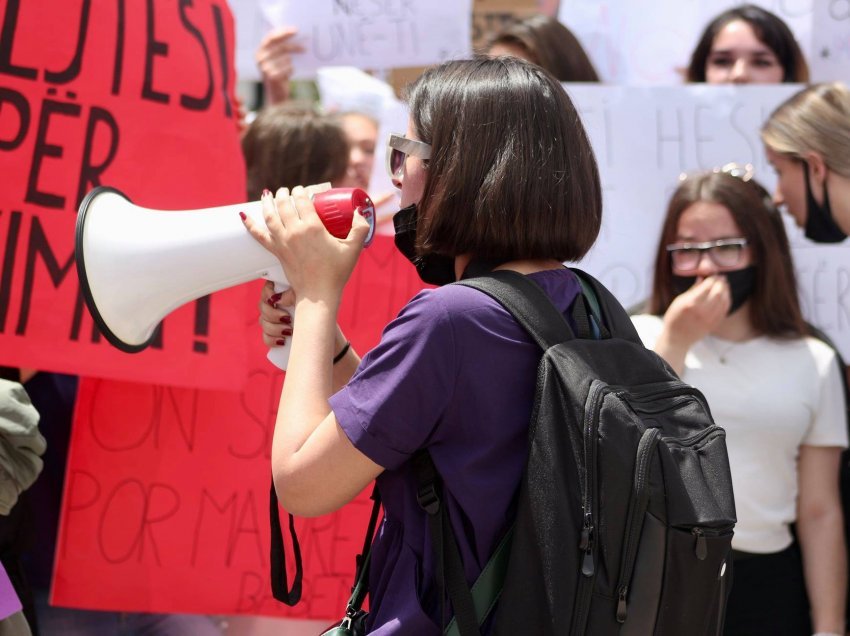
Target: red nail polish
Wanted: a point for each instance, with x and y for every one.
(242, 215)
(286, 332)
(266, 192)
(275, 297)
(280, 342)
(286, 319)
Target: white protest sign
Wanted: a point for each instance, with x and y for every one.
(650, 44)
(381, 188)
(373, 34)
(830, 56)
(644, 137)
(250, 27)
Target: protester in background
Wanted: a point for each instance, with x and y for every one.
(21, 448)
(807, 140)
(747, 45)
(724, 313)
(362, 133)
(548, 43)
(274, 61)
(290, 144)
(481, 177)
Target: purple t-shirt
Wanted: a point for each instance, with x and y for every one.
(453, 373)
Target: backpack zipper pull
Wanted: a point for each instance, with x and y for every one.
(586, 545)
(701, 548)
(621, 604)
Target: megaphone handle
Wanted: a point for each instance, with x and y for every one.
(279, 356)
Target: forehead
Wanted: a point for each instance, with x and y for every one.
(706, 221)
(738, 34)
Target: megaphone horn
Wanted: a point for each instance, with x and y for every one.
(136, 265)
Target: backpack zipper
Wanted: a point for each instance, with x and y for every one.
(700, 533)
(587, 476)
(637, 510)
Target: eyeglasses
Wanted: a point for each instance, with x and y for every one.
(726, 252)
(398, 147)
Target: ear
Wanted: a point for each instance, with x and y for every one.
(816, 166)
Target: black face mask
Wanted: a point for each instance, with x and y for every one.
(433, 269)
(741, 285)
(820, 226)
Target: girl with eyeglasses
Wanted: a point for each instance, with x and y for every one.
(495, 171)
(724, 313)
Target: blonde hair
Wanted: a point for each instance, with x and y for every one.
(816, 119)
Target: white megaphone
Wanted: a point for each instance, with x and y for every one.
(137, 265)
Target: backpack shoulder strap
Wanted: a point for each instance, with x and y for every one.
(528, 303)
(613, 314)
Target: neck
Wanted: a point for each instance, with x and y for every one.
(526, 266)
(738, 327)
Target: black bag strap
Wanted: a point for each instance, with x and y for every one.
(361, 578)
(280, 582)
(278, 558)
(450, 575)
(612, 313)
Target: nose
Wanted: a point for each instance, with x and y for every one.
(740, 72)
(706, 266)
(778, 199)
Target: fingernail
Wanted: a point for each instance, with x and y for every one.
(280, 342)
(286, 319)
(275, 297)
(266, 192)
(242, 215)
(286, 332)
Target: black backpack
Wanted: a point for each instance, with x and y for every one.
(625, 510)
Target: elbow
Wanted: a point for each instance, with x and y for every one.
(297, 498)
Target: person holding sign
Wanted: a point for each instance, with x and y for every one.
(481, 172)
(724, 312)
(747, 45)
(807, 141)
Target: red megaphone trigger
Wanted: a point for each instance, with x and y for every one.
(336, 208)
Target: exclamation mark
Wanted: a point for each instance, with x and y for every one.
(202, 323)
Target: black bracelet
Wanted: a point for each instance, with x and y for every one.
(342, 352)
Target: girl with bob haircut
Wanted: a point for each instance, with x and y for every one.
(546, 42)
(747, 44)
(807, 140)
(724, 313)
(495, 171)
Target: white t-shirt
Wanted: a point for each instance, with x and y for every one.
(772, 396)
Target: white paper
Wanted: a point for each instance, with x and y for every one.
(374, 34)
(830, 55)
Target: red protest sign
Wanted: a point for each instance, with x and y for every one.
(134, 95)
(166, 499)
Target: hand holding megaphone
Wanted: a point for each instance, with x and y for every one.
(136, 265)
(312, 263)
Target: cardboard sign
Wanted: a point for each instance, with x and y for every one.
(134, 95)
(373, 34)
(166, 503)
(644, 138)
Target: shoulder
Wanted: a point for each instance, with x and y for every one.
(648, 327)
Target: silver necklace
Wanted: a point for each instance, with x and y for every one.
(721, 354)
